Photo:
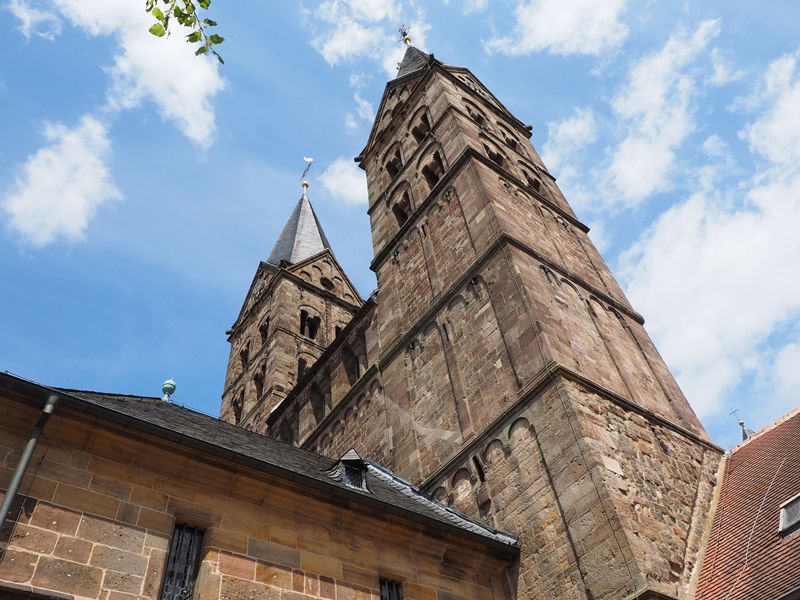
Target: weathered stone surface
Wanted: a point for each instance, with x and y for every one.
(110, 533)
(66, 576)
(118, 560)
(17, 565)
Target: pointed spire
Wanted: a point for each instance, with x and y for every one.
(302, 236)
(414, 60)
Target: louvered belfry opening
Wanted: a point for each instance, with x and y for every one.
(391, 590)
(182, 563)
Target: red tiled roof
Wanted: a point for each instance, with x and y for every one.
(746, 557)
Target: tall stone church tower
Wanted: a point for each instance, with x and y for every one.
(299, 301)
(501, 367)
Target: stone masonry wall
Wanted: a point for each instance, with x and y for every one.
(101, 502)
(605, 501)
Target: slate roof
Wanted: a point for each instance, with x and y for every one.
(746, 557)
(413, 60)
(386, 492)
(302, 236)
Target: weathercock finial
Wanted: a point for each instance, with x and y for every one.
(303, 181)
(404, 35)
(168, 388)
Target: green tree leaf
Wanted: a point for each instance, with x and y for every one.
(158, 30)
(216, 39)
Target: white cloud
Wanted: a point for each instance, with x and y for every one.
(61, 186)
(345, 30)
(35, 21)
(714, 273)
(785, 375)
(162, 70)
(564, 27)
(723, 73)
(566, 137)
(345, 181)
(655, 104)
(472, 6)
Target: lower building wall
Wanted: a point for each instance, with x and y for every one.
(606, 502)
(98, 507)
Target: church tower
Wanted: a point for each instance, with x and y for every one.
(299, 301)
(519, 381)
(506, 372)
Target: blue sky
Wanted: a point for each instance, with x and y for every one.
(140, 186)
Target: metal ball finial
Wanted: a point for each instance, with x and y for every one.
(168, 388)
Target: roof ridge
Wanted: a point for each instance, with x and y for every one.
(772, 426)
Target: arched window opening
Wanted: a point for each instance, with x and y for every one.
(509, 140)
(421, 129)
(301, 368)
(326, 283)
(244, 355)
(479, 468)
(434, 170)
(309, 326)
(476, 116)
(350, 362)
(533, 182)
(258, 383)
(402, 209)
(394, 164)
(495, 157)
(263, 331)
(237, 404)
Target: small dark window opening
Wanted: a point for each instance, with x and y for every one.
(479, 469)
(353, 476)
(336, 331)
(309, 326)
(533, 182)
(244, 355)
(258, 381)
(394, 165)
(496, 157)
(421, 129)
(183, 561)
(402, 209)
(237, 405)
(263, 330)
(434, 170)
(301, 367)
(326, 283)
(391, 590)
(476, 116)
(510, 141)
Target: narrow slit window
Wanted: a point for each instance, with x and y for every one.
(182, 564)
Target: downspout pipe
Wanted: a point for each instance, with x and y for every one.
(25, 459)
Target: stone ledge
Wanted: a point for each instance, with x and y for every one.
(18, 591)
(650, 594)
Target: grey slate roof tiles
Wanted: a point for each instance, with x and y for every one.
(302, 236)
(385, 490)
(413, 60)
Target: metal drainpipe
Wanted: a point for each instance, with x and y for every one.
(25, 459)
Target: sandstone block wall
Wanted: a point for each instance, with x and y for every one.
(100, 504)
(606, 501)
